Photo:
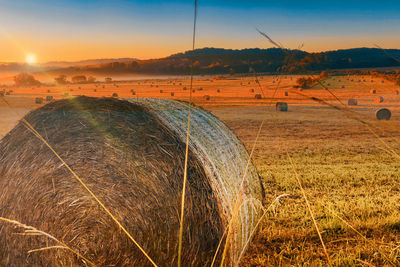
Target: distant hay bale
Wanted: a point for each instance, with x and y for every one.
(185, 88)
(252, 90)
(206, 97)
(39, 100)
(8, 93)
(131, 155)
(200, 89)
(378, 99)
(48, 91)
(342, 86)
(382, 81)
(114, 95)
(49, 98)
(383, 114)
(352, 102)
(172, 93)
(218, 90)
(396, 92)
(161, 91)
(133, 92)
(286, 93)
(281, 106)
(94, 90)
(299, 89)
(258, 96)
(373, 91)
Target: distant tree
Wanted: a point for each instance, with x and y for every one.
(305, 82)
(79, 79)
(91, 79)
(25, 79)
(61, 79)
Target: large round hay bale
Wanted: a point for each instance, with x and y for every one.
(378, 99)
(206, 97)
(286, 93)
(131, 155)
(281, 106)
(352, 102)
(372, 91)
(383, 114)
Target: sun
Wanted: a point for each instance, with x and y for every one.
(30, 59)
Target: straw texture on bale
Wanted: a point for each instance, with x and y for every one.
(131, 155)
(224, 159)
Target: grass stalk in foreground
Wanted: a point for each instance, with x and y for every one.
(187, 144)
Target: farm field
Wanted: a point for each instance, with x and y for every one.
(346, 160)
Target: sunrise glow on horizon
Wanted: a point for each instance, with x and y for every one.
(77, 30)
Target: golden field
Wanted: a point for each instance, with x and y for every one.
(347, 164)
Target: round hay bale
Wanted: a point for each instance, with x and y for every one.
(48, 91)
(373, 91)
(172, 93)
(49, 98)
(342, 86)
(258, 96)
(39, 100)
(200, 89)
(206, 97)
(286, 93)
(281, 106)
(352, 102)
(252, 90)
(131, 155)
(378, 99)
(396, 92)
(114, 95)
(133, 92)
(383, 114)
(185, 88)
(218, 90)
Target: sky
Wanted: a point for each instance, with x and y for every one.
(61, 30)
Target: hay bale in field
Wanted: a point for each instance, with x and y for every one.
(48, 91)
(8, 93)
(281, 106)
(206, 97)
(257, 96)
(114, 95)
(172, 93)
(39, 100)
(352, 102)
(94, 90)
(218, 90)
(396, 92)
(49, 98)
(252, 90)
(299, 89)
(131, 155)
(133, 92)
(383, 114)
(383, 81)
(342, 86)
(373, 91)
(200, 89)
(378, 99)
(161, 91)
(286, 93)
(185, 88)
